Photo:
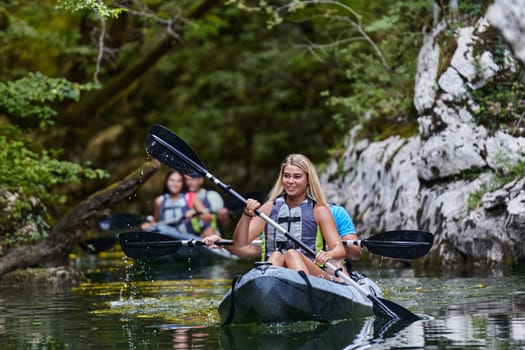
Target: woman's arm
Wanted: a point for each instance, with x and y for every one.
(199, 209)
(156, 209)
(156, 214)
(247, 252)
(353, 252)
(326, 222)
(250, 226)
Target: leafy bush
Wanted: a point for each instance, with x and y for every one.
(33, 95)
(29, 172)
(27, 177)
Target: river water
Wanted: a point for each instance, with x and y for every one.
(134, 305)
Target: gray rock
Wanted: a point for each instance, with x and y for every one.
(509, 17)
(429, 181)
(428, 61)
(452, 83)
(494, 199)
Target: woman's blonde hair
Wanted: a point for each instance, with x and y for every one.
(313, 190)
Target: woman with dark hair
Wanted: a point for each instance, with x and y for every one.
(176, 207)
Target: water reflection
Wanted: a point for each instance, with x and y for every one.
(347, 334)
(299, 335)
(131, 305)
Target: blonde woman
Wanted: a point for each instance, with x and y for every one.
(298, 204)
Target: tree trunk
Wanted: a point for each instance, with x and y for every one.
(54, 250)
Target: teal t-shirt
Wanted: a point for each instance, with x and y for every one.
(343, 221)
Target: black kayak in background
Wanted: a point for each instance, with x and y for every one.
(198, 253)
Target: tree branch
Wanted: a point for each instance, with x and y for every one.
(54, 250)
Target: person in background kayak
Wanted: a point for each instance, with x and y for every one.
(297, 203)
(220, 216)
(176, 206)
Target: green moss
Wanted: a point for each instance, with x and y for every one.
(56, 278)
(501, 102)
(505, 174)
(447, 46)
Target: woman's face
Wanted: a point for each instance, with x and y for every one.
(295, 181)
(174, 183)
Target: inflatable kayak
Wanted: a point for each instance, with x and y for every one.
(268, 293)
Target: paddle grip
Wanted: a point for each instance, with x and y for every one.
(350, 242)
(225, 188)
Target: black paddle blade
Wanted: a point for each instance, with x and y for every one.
(403, 244)
(121, 221)
(389, 310)
(147, 245)
(171, 150)
(384, 328)
(97, 245)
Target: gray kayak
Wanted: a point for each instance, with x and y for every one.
(267, 294)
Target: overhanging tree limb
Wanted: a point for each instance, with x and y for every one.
(54, 250)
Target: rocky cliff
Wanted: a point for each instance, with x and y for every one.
(462, 176)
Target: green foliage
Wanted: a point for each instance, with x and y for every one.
(378, 56)
(505, 173)
(96, 6)
(244, 96)
(474, 9)
(474, 199)
(45, 170)
(501, 102)
(382, 87)
(33, 95)
(30, 175)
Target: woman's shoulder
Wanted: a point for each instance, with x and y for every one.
(159, 199)
(321, 210)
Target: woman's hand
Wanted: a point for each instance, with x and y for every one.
(249, 226)
(210, 240)
(146, 225)
(251, 206)
(323, 257)
(190, 213)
